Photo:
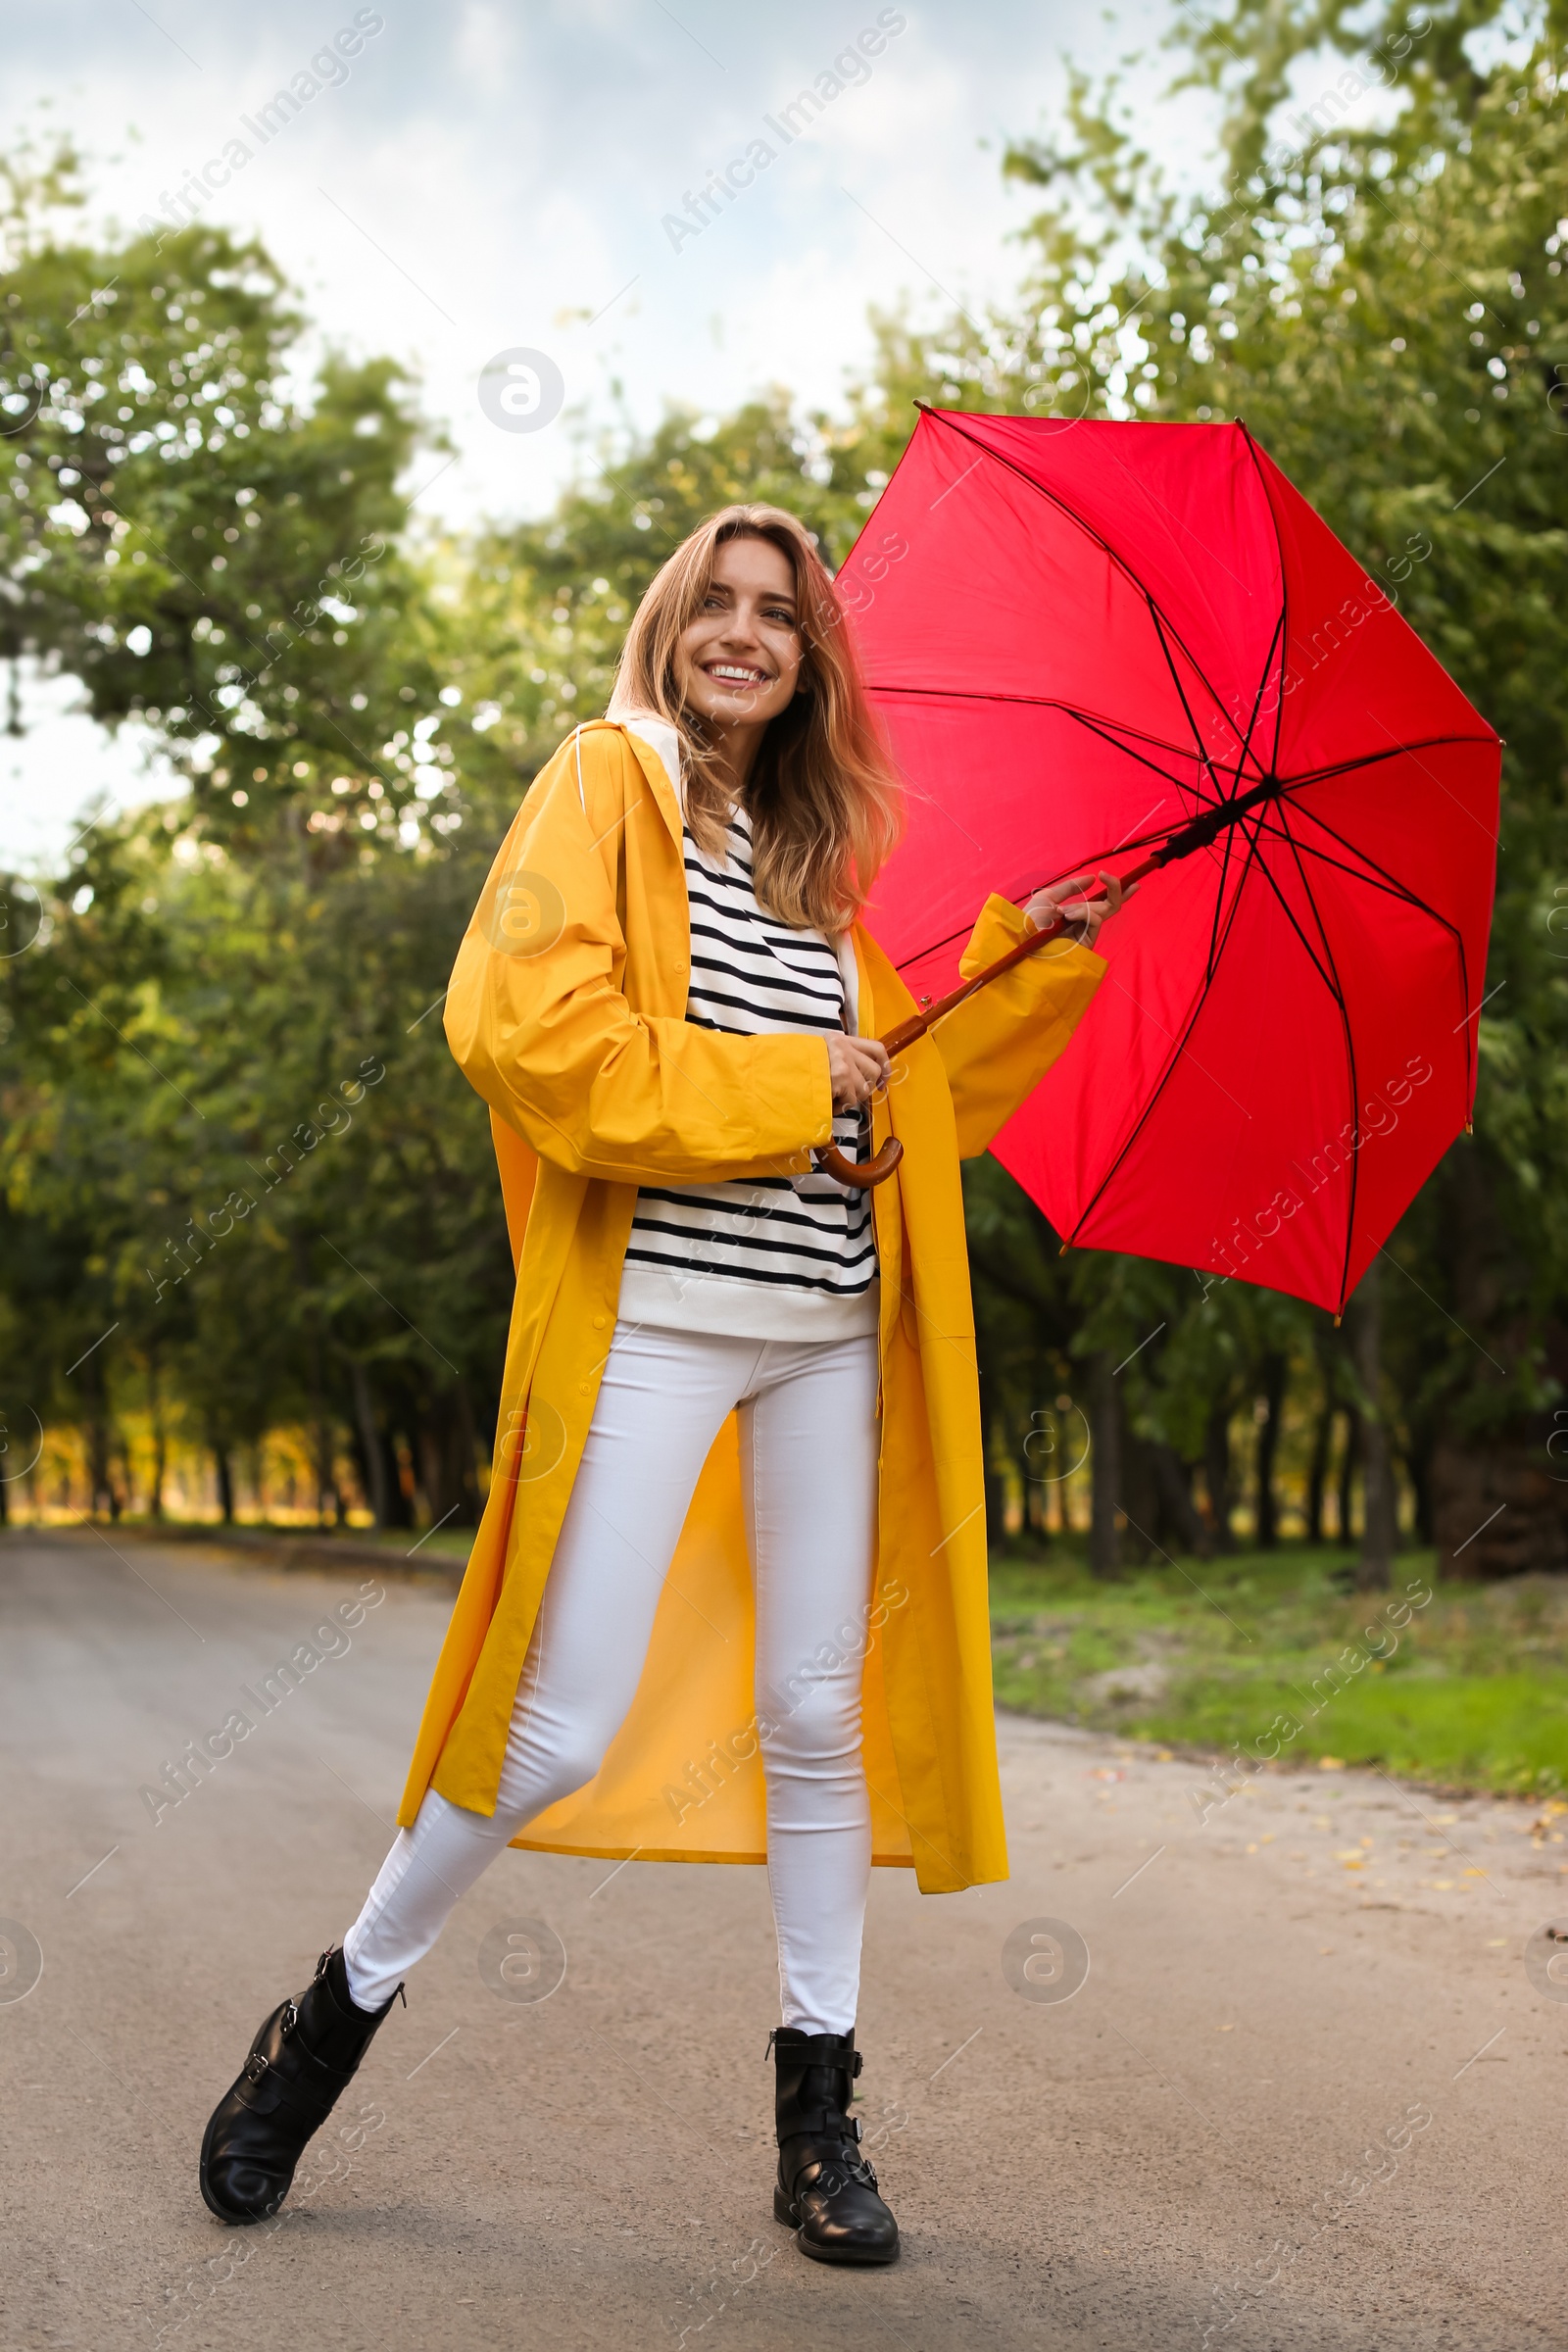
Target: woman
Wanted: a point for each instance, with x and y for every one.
(736, 1510)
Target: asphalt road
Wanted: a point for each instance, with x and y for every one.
(1308, 2094)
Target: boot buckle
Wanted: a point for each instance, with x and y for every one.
(289, 2019)
(255, 2066)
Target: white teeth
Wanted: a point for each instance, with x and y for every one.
(744, 677)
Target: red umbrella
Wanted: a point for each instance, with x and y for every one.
(1090, 642)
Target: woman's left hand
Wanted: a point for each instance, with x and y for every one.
(1080, 921)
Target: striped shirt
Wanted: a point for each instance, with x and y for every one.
(775, 1256)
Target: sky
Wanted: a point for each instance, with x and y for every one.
(482, 180)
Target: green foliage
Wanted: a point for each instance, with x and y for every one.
(241, 1142)
(201, 549)
(234, 565)
(1267, 1655)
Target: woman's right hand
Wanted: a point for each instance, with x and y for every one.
(857, 1066)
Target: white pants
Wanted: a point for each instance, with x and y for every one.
(809, 1455)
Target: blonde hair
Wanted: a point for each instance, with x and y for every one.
(823, 800)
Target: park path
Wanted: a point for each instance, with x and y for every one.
(1261, 2008)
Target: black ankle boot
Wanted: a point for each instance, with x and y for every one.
(300, 2062)
(826, 2191)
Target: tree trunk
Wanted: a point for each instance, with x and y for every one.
(1266, 1504)
(1349, 1462)
(996, 1493)
(160, 1433)
(372, 1447)
(226, 1483)
(1498, 1504)
(460, 1474)
(1380, 1501)
(1218, 1475)
(1317, 1471)
(1418, 1470)
(1140, 1497)
(323, 1449)
(1180, 1524)
(100, 1438)
(446, 1458)
(1105, 1468)
(1497, 1510)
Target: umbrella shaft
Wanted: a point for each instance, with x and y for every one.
(909, 1032)
(1196, 835)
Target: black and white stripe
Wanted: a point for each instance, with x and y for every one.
(801, 1239)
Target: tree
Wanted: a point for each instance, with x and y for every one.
(1385, 306)
(199, 549)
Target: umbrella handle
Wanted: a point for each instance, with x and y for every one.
(863, 1175)
(860, 1173)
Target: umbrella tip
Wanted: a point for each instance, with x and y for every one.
(1337, 1320)
(1469, 1126)
(922, 403)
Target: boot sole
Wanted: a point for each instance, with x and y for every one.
(847, 2259)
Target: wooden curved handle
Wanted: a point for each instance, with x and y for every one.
(860, 1173)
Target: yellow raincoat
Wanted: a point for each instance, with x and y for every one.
(567, 1013)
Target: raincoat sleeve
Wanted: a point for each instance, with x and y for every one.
(998, 1046)
(537, 1017)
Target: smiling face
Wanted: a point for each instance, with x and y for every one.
(738, 661)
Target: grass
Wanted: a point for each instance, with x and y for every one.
(1470, 1691)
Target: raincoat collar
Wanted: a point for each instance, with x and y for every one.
(656, 735)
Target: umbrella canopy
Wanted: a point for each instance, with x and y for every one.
(1081, 639)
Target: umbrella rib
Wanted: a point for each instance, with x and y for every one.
(1178, 1050)
(1376, 880)
(1201, 752)
(1411, 897)
(1285, 596)
(1400, 888)
(1097, 727)
(1385, 880)
(1396, 750)
(1337, 990)
(1053, 498)
(1216, 943)
(1327, 974)
(1257, 698)
(1031, 702)
(1214, 940)
(1089, 859)
(1245, 740)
